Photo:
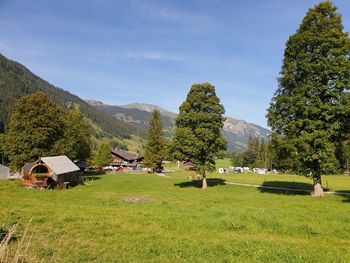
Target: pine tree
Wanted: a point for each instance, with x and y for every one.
(263, 154)
(251, 155)
(197, 134)
(308, 110)
(155, 148)
(36, 124)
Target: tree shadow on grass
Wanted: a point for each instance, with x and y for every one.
(286, 188)
(198, 183)
(345, 195)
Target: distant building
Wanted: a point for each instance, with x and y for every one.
(125, 159)
(51, 171)
(189, 166)
(4, 172)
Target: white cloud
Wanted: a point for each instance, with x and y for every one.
(154, 56)
(166, 13)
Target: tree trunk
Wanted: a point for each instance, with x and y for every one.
(318, 191)
(204, 183)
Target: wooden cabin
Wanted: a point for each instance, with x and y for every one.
(124, 159)
(35, 175)
(52, 171)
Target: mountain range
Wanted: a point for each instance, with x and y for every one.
(236, 132)
(122, 121)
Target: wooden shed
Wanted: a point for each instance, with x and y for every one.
(51, 171)
(4, 172)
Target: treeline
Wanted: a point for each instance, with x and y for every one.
(256, 155)
(280, 155)
(17, 81)
(40, 127)
(285, 156)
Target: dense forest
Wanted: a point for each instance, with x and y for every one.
(17, 81)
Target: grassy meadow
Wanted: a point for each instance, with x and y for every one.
(175, 221)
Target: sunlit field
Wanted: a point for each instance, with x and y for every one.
(147, 218)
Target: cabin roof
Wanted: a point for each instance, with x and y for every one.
(60, 164)
(125, 155)
(26, 168)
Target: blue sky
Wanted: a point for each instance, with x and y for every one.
(150, 51)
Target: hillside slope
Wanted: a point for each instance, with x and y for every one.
(237, 133)
(17, 81)
(138, 117)
(149, 108)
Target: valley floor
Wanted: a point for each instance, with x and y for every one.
(147, 218)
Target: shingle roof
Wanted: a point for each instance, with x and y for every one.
(126, 155)
(60, 164)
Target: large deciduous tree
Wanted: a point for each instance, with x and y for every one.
(309, 110)
(35, 125)
(103, 155)
(39, 127)
(76, 139)
(197, 135)
(155, 148)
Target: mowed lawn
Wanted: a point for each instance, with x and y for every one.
(178, 222)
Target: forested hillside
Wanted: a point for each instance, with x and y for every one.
(138, 118)
(17, 81)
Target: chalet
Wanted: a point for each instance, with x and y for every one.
(124, 159)
(51, 171)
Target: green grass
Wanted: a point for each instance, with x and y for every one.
(222, 163)
(180, 223)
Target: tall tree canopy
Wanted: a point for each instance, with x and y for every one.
(155, 148)
(39, 127)
(197, 135)
(310, 109)
(35, 125)
(76, 139)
